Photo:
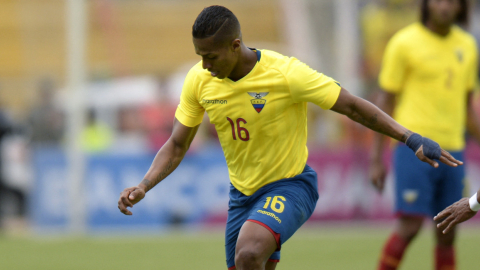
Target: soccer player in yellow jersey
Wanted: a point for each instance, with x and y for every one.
(428, 74)
(257, 100)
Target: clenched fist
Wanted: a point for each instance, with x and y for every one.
(129, 197)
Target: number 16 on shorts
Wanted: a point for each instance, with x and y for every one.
(276, 204)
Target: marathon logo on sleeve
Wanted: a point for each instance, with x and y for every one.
(214, 101)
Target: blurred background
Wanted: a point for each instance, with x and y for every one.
(88, 92)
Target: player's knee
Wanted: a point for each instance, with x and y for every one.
(409, 228)
(409, 233)
(445, 239)
(247, 258)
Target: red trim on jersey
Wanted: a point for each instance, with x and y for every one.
(232, 268)
(275, 235)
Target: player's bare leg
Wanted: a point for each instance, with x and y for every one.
(444, 239)
(444, 251)
(408, 227)
(270, 265)
(255, 245)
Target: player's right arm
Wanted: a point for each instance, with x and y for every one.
(188, 117)
(165, 162)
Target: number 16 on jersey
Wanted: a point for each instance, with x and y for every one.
(241, 131)
(276, 205)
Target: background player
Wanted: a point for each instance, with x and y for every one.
(428, 74)
(257, 101)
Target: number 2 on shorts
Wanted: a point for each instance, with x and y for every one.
(276, 205)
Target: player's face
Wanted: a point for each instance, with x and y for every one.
(218, 59)
(443, 12)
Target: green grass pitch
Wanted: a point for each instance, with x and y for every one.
(319, 247)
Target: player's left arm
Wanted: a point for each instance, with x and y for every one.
(369, 115)
(473, 123)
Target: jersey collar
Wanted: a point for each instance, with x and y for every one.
(259, 56)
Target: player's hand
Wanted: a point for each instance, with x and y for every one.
(454, 214)
(445, 158)
(428, 151)
(377, 173)
(129, 197)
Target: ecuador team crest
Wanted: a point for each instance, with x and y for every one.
(258, 102)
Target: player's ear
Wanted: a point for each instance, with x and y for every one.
(235, 45)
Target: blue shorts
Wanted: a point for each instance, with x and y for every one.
(281, 207)
(423, 190)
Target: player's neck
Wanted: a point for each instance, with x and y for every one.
(438, 29)
(246, 63)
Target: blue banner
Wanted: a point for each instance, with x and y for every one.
(196, 190)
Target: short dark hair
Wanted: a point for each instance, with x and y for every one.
(462, 17)
(216, 21)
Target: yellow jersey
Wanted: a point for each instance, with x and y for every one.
(431, 76)
(261, 119)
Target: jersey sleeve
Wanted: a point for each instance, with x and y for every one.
(189, 111)
(473, 70)
(308, 85)
(394, 66)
